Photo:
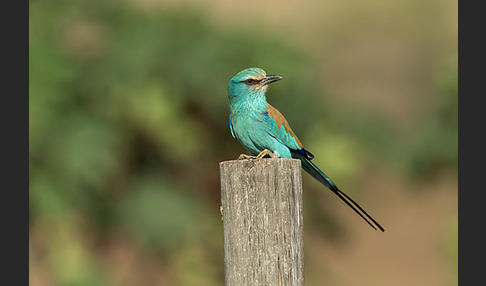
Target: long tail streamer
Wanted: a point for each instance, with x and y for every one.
(315, 172)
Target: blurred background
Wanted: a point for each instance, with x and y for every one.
(129, 120)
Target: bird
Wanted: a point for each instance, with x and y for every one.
(264, 132)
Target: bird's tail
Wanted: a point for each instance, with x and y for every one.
(315, 172)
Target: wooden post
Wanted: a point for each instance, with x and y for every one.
(263, 229)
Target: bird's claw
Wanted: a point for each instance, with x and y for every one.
(244, 156)
(266, 153)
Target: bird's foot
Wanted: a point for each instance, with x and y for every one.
(266, 153)
(244, 156)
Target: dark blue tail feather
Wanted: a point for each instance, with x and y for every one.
(317, 174)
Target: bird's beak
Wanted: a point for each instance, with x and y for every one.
(270, 78)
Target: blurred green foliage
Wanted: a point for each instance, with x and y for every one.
(128, 120)
(437, 143)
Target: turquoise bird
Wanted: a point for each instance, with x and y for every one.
(264, 132)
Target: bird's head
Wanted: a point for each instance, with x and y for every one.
(250, 82)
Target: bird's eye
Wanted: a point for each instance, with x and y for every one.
(250, 81)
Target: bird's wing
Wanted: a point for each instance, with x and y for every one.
(281, 130)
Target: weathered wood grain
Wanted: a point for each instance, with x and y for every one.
(262, 222)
